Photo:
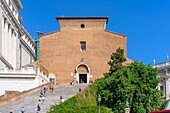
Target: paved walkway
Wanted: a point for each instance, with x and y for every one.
(30, 102)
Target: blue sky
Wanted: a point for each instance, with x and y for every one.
(146, 23)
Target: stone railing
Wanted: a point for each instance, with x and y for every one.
(21, 95)
(161, 64)
(29, 70)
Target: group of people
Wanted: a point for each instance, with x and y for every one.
(42, 96)
(38, 108)
(46, 88)
(41, 99)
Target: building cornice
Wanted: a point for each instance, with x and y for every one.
(28, 47)
(27, 34)
(115, 33)
(82, 17)
(18, 4)
(15, 21)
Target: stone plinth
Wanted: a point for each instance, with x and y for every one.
(127, 110)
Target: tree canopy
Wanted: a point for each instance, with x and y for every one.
(116, 61)
(136, 83)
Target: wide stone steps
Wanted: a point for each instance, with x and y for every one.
(30, 102)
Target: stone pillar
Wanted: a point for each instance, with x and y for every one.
(13, 48)
(88, 77)
(9, 44)
(127, 110)
(2, 35)
(167, 88)
(5, 38)
(77, 78)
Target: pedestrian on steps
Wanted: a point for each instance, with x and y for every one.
(43, 98)
(38, 109)
(22, 109)
(41, 92)
(11, 110)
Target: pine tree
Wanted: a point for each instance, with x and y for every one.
(116, 61)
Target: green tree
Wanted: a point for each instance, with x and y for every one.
(116, 61)
(136, 83)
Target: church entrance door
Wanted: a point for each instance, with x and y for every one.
(83, 78)
(82, 73)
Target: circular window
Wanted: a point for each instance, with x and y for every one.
(52, 61)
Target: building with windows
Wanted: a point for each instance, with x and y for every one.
(164, 75)
(80, 50)
(16, 50)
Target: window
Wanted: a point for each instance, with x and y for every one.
(82, 26)
(83, 46)
(161, 88)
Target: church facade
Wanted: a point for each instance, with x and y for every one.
(80, 50)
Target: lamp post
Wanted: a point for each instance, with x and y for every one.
(127, 109)
(52, 108)
(99, 100)
(149, 105)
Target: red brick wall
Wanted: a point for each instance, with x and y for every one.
(64, 48)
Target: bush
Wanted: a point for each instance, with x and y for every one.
(163, 104)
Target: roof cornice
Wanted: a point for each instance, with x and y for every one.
(18, 4)
(82, 17)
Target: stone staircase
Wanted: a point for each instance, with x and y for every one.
(52, 97)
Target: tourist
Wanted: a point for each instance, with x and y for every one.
(11, 110)
(52, 88)
(38, 109)
(44, 87)
(41, 92)
(40, 98)
(44, 91)
(73, 82)
(22, 109)
(70, 82)
(79, 89)
(43, 98)
(61, 99)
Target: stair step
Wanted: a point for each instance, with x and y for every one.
(52, 98)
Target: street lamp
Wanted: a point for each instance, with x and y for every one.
(127, 104)
(127, 109)
(52, 108)
(99, 100)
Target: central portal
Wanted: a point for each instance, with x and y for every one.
(82, 73)
(82, 78)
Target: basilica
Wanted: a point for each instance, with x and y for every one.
(80, 50)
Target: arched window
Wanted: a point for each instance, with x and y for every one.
(82, 45)
(82, 26)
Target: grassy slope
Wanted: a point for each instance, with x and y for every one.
(83, 102)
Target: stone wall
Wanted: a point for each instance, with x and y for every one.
(11, 96)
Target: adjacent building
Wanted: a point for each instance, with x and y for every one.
(17, 49)
(80, 50)
(164, 75)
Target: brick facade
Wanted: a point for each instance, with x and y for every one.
(60, 51)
